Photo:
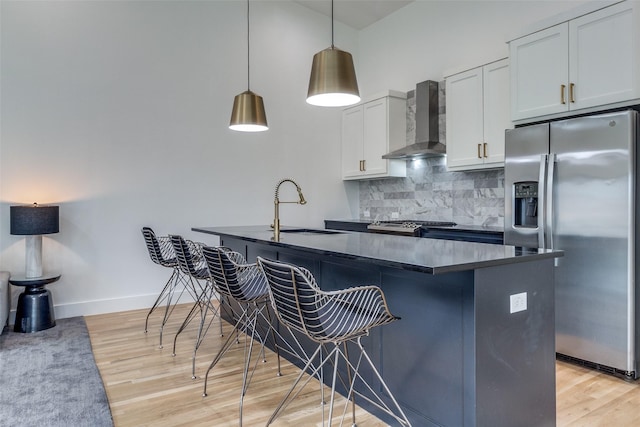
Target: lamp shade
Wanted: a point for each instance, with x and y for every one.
(248, 113)
(32, 220)
(333, 79)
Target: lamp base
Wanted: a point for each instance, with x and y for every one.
(35, 304)
(33, 256)
(35, 311)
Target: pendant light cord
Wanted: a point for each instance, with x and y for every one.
(332, 46)
(248, 38)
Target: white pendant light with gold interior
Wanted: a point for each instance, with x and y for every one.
(333, 77)
(248, 113)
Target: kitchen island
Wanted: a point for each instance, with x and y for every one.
(475, 344)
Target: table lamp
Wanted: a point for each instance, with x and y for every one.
(33, 221)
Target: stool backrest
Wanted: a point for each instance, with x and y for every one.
(184, 255)
(160, 254)
(222, 270)
(296, 297)
(153, 247)
(232, 276)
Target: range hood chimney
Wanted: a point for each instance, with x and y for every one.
(427, 142)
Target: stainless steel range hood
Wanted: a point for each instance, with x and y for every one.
(427, 142)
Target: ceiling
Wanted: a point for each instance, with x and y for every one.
(357, 14)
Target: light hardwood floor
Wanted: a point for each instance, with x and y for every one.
(147, 386)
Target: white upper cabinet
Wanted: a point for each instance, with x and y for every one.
(464, 118)
(352, 138)
(371, 130)
(586, 62)
(539, 72)
(601, 57)
(477, 116)
(497, 117)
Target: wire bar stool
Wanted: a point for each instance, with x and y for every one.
(331, 319)
(245, 283)
(161, 252)
(198, 284)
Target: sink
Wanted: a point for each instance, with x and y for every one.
(309, 231)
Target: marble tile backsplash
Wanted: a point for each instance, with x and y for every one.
(431, 192)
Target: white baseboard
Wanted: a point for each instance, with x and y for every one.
(87, 308)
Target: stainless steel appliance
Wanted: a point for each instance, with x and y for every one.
(427, 142)
(571, 185)
(405, 227)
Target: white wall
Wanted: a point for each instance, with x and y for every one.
(118, 112)
(426, 38)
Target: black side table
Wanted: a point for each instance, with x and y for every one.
(35, 305)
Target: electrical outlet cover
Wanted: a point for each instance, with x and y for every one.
(517, 302)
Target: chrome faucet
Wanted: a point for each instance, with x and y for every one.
(277, 202)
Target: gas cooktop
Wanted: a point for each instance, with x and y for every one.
(418, 222)
(405, 227)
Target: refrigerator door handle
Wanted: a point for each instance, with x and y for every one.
(542, 181)
(549, 200)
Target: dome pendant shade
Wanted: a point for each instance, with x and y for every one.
(248, 114)
(333, 79)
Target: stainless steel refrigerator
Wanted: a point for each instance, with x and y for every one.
(571, 185)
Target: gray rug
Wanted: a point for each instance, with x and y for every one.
(50, 378)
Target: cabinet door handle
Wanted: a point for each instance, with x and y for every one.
(562, 88)
(571, 93)
(485, 149)
(360, 165)
(364, 165)
(479, 155)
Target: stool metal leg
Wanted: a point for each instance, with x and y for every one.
(349, 377)
(195, 308)
(334, 357)
(288, 398)
(172, 301)
(204, 326)
(197, 296)
(248, 323)
(168, 295)
(398, 414)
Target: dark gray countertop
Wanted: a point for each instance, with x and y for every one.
(410, 253)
